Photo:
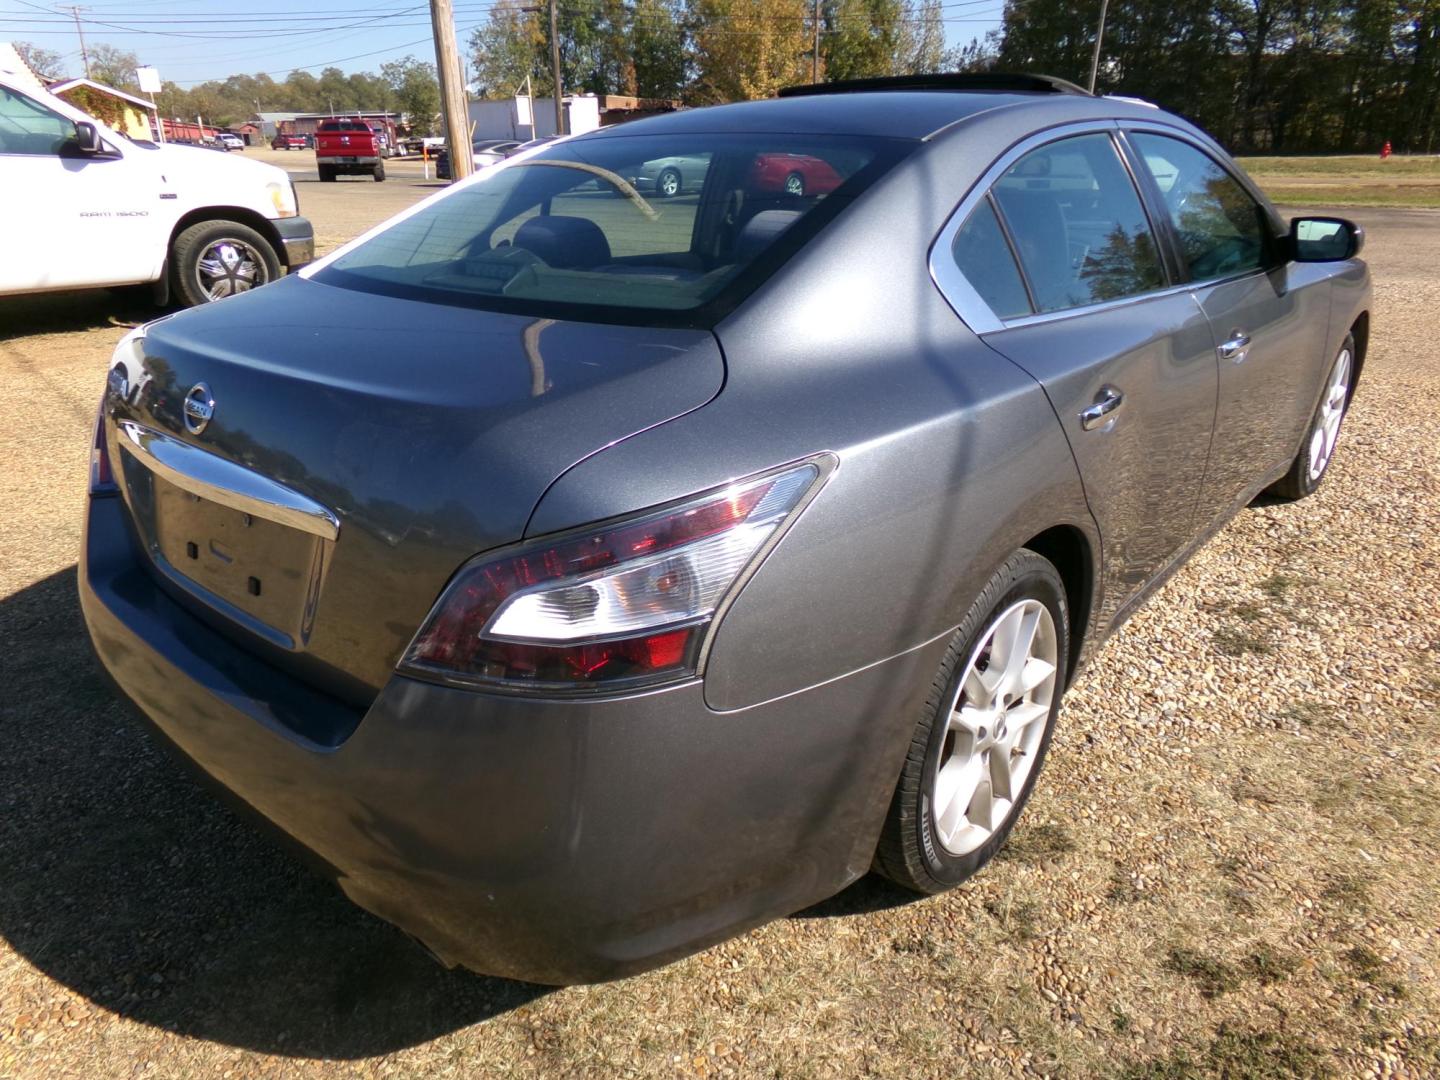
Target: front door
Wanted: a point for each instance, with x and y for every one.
(72, 219)
(1127, 361)
(1269, 320)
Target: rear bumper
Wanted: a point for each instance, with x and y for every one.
(297, 237)
(555, 842)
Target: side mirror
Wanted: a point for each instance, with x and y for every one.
(87, 139)
(1325, 239)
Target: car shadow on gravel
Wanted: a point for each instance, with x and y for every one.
(63, 312)
(124, 880)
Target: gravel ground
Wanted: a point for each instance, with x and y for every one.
(1228, 869)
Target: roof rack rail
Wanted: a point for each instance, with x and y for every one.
(963, 81)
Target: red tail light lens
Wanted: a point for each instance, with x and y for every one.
(621, 606)
(102, 480)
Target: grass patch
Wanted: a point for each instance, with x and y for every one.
(1037, 843)
(1248, 611)
(1349, 891)
(1309, 713)
(1253, 1055)
(1419, 196)
(1267, 967)
(1018, 918)
(1239, 640)
(1212, 977)
(1278, 586)
(1122, 888)
(1342, 165)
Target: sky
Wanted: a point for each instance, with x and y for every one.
(192, 41)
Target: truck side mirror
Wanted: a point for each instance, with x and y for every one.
(1325, 239)
(87, 139)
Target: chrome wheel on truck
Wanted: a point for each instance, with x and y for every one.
(215, 259)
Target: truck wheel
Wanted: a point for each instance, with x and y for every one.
(214, 259)
(327, 173)
(379, 171)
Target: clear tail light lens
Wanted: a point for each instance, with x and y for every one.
(622, 606)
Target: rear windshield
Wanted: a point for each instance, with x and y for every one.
(344, 125)
(655, 229)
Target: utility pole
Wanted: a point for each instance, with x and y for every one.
(555, 67)
(815, 55)
(1099, 37)
(75, 11)
(452, 90)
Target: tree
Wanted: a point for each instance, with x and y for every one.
(507, 49)
(657, 42)
(866, 38)
(44, 62)
(416, 90)
(114, 67)
(746, 49)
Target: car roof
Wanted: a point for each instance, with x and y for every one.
(896, 113)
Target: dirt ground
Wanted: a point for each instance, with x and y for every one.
(1229, 868)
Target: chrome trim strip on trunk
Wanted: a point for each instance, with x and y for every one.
(212, 477)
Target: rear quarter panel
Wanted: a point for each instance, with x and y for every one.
(949, 455)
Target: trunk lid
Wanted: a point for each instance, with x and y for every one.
(414, 436)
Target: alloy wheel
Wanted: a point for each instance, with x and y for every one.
(228, 266)
(1332, 412)
(995, 726)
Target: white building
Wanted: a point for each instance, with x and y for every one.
(526, 118)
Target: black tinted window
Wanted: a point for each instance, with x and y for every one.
(1221, 228)
(591, 229)
(1078, 223)
(985, 259)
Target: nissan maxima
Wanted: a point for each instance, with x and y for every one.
(713, 551)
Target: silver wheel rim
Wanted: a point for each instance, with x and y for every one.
(670, 184)
(1332, 411)
(228, 266)
(794, 184)
(994, 727)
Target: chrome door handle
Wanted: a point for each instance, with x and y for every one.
(1106, 402)
(1236, 348)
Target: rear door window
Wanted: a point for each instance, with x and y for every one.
(1221, 228)
(1078, 224)
(623, 228)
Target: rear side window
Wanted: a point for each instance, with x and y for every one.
(984, 257)
(1221, 228)
(1078, 224)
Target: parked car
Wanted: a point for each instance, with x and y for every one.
(89, 207)
(289, 142)
(522, 147)
(794, 174)
(670, 176)
(348, 147)
(694, 564)
(230, 140)
(484, 152)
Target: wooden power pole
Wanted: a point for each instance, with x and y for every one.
(84, 55)
(452, 90)
(1099, 37)
(555, 68)
(815, 55)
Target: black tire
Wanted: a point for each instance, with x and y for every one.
(379, 171)
(190, 245)
(795, 184)
(668, 183)
(909, 852)
(327, 173)
(1298, 483)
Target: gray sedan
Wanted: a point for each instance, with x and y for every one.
(710, 553)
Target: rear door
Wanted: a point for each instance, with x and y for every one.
(1126, 359)
(1269, 320)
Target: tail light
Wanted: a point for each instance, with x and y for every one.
(616, 607)
(102, 480)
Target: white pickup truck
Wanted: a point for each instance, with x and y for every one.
(84, 206)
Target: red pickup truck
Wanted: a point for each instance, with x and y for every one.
(347, 147)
